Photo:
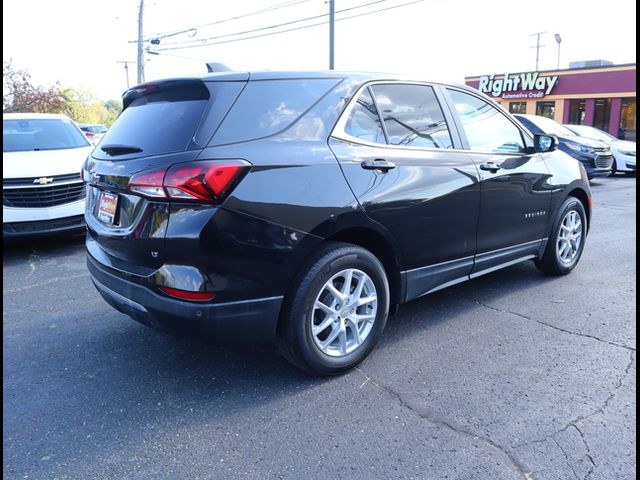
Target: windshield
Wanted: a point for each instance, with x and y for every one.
(550, 127)
(591, 132)
(40, 134)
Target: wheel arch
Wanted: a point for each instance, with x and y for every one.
(585, 200)
(384, 251)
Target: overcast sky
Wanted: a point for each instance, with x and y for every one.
(79, 42)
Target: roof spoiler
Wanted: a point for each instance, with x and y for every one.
(218, 67)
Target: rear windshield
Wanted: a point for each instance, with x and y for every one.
(266, 107)
(162, 120)
(94, 129)
(41, 134)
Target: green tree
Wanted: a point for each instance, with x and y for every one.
(82, 105)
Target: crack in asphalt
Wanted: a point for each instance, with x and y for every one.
(42, 284)
(574, 423)
(522, 470)
(624, 207)
(566, 457)
(549, 325)
(588, 454)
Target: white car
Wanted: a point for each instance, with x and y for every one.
(624, 152)
(93, 131)
(42, 191)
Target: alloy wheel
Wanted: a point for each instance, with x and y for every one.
(344, 312)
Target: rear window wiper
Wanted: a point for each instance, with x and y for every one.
(116, 149)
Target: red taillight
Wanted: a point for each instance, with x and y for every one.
(149, 183)
(200, 180)
(207, 181)
(89, 134)
(187, 295)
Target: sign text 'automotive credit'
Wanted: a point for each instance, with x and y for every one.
(522, 85)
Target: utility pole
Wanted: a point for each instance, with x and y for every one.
(332, 28)
(126, 69)
(537, 47)
(140, 41)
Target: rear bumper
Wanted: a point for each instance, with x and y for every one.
(248, 321)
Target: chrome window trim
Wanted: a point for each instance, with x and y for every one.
(338, 131)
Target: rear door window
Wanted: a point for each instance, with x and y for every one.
(364, 122)
(266, 107)
(412, 116)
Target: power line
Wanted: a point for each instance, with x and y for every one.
(270, 27)
(291, 29)
(278, 6)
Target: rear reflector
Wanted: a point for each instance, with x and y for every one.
(186, 295)
(206, 181)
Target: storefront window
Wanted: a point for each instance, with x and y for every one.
(546, 109)
(518, 107)
(576, 112)
(602, 114)
(628, 120)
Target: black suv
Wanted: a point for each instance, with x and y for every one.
(304, 207)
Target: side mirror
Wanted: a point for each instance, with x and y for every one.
(545, 143)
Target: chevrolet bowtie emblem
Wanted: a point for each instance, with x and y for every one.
(43, 180)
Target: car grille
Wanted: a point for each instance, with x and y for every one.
(604, 162)
(24, 193)
(601, 149)
(75, 222)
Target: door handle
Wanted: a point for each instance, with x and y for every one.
(490, 166)
(378, 164)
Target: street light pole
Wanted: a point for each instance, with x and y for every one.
(140, 42)
(558, 39)
(332, 21)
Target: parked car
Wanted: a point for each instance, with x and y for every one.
(42, 192)
(94, 132)
(304, 207)
(595, 155)
(623, 151)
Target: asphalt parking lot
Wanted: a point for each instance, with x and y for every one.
(514, 375)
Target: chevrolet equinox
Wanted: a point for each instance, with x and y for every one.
(302, 208)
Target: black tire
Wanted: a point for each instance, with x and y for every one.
(550, 262)
(295, 339)
(614, 168)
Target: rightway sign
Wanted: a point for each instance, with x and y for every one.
(522, 85)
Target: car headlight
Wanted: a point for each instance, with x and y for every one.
(579, 148)
(630, 153)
